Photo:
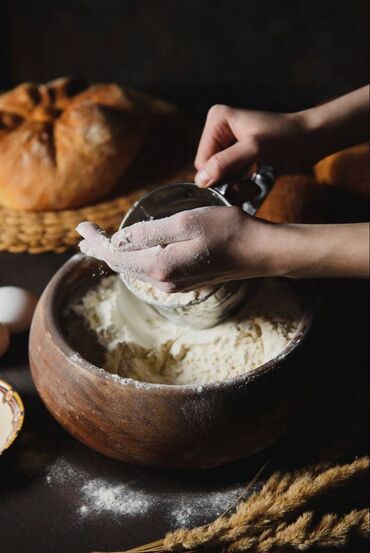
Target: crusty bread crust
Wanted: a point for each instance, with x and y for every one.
(347, 169)
(65, 144)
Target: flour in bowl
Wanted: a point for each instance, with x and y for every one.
(143, 345)
(153, 295)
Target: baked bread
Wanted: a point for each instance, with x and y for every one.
(347, 169)
(295, 199)
(65, 144)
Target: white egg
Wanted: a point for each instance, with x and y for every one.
(16, 308)
(4, 339)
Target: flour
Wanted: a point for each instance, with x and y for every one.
(60, 472)
(97, 497)
(199, 309)
(142, 345)
(120, 499)
(153, 295)
(214, 503)
(203, 307)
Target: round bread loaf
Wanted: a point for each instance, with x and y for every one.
(65, 144)
(347, 169)
(295, 199)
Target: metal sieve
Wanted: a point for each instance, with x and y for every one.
(223, 299)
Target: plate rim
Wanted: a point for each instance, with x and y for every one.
(17, 426)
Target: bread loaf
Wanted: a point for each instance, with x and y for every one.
(347, 169)
(295, 199)
(65, 144)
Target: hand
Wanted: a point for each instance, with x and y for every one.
(190, 249)
(234, 138)
(216, 244)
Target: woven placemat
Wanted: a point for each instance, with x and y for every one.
(167, 156)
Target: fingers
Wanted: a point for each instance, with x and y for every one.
(89, 230)
(227, 162)
(221, 151)
(87, 249)
(171, 268)
(147, 263)
(177, 266)
(96, 243)
(147, 234)
(216, 135)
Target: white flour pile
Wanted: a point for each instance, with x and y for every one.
(142, 345)
(98, 498)
(152, 295)
(201, 308)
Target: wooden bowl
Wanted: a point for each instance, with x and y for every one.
(158, 425)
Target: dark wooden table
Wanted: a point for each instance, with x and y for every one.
(58, 496)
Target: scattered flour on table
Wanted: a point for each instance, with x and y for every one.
(194, 506)
(98, 497)
(117, 499)
(143, 345)
(60, 472)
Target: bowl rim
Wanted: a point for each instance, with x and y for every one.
(54, 329)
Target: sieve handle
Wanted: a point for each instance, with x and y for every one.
(250, 198)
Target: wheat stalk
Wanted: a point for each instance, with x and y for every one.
(303, 533)
(278, 512)
(278, 500)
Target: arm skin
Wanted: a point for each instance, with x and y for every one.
(233, 138)
(196, 252)
(340, 123)
(319, 251)
(216, 244)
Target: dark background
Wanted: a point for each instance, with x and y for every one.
(283, 54)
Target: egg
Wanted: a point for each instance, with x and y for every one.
(16, 308)
(4, 339)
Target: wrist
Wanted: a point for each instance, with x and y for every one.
(311, 120)
(288, 250)
(283, 247)
(327, 251)
(304, 121)
(313, 131)
(336, 124)
(264, 248)
(306, 144)
(320, 251)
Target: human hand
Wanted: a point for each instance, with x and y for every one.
(193, 248)
(234, 138)
(211, 245)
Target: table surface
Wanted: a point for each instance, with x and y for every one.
(58, 496)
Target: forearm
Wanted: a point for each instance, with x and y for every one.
(338, 124)
(321, 251)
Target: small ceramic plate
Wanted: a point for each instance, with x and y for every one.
(11, 415)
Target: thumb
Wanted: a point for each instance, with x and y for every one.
(231, 160)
